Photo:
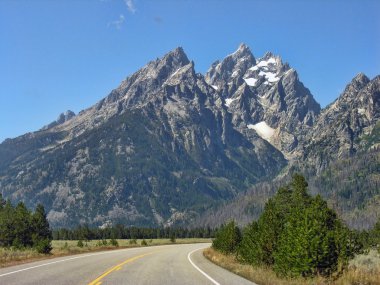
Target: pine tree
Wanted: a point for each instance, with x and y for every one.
(2, 202)
(307, 245)
(261, 238)
(250, 249)
(7, 231)
(22, 227)
(42, 235)
(227, 238)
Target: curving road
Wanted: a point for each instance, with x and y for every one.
(169, 264)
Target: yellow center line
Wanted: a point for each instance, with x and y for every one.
(117, 267)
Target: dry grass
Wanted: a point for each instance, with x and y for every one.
(14, 256)
(363, 270)
(9, 257)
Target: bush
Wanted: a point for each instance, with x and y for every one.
(80, 243)
(172, 238)
(43, 246)
(114, 242)
(144, 243)
(133, 241)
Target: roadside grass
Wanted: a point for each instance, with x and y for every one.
(363, 270)
(11, 256)
(14, 256)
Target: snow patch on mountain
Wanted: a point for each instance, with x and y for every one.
(270, 76)
(262, 129)
(250, 81)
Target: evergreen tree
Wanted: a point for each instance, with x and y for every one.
(7, 231)
(22, 227)
(250, 248)
(2, 202)
(261, 238)
(307, 246)
(227, 238)
(42, 235)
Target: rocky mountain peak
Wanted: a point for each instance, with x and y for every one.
(62, 118)
(176, 58)
(243, 50)
(233, 66)
(356, 84)
(361, 80)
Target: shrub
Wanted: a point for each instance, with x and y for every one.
(80, 243)
(114, 242)
(144, 243)
(133, 241)
(43, 246)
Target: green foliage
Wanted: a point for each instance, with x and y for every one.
(124, 232)
(298, 235)
(307, 246)
(250, 249)
(43, 246)
(80, 243)
(144, 243)
(114, 242)
(20, 228)
(172, 238)
(374, 235)
(227, 238)
(133, 241)
(260, 243)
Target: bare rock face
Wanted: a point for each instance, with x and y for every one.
(169, 143)
(62, 118)
(158, 149)
(265, 92)
(343, 126)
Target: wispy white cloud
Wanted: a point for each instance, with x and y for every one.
(130, 5)
(117, 23)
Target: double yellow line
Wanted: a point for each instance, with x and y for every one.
(97, 281)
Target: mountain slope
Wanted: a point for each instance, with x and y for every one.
(159, 149)
(169, 143)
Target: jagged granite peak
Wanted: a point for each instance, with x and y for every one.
(343, 128)
(148, 78)
(166, 145)
(159, 149)
(356, 84)
(268, 93)
(233, 66)
(62, 118)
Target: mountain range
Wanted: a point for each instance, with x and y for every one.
(169, 145)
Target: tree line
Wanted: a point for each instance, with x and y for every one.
(84, 232)
(296, 235)
(21, 228)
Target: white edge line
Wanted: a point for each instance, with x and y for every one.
(200, 270)
(59, 261)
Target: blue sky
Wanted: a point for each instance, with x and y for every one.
(59, 55)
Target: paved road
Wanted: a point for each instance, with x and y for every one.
(169, 264)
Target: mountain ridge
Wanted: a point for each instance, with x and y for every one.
(169, 143)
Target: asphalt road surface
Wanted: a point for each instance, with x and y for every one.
(168, 264)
